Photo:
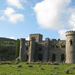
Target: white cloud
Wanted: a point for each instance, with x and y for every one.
(12, 16)
(9, 11)
(16, 3)
(12, 38)
(27, 38)
(48, 13)
(2, 18)
(72, 20)
(16, 17)
(62, 34)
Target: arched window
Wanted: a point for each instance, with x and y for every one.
(71, 42)
(62, 57)
(53, 57)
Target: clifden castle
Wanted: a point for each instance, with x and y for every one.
(49, 50)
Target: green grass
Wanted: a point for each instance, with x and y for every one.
(45, 69)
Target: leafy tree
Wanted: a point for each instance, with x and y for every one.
(17, 48)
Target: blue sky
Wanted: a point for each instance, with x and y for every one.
(51, 18)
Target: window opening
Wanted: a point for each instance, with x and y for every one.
(40, 57)
(53, 57)
(40, 49)
(62, 57)
(26, 48)
(71, 42)
(26, 58)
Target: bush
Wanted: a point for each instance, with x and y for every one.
(73, 67)
(39, 65)
(7, 62)
(42, 69)
(31, 62)
(55, 67)
(49, 63)
(37, 62)
(30, 65)
(19, 65)
(67, 71)
(27, 62)
(16, 62)
(45, 63)
(2, 62)
(56, 63)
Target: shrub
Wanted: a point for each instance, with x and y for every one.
(55, 67)
(19, 65)
(49, 63)
(31, 62)
(27, 62)
(42, 69)
(56, 63)
(45, 63)
(67, 71)
(8, 62)
(10, 66)
(16, 62)
(73, 67)
(2, 62)
(30, 65)
(37, 62)
(39, 65)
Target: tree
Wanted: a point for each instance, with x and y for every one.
(17, 48)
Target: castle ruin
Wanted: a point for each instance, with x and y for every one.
(49, 50)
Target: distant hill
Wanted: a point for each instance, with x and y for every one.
(6, 39)
(7, 48)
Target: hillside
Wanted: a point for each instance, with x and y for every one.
(7, 48)
(6, 39)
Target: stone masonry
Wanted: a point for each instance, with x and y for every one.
(62, 51)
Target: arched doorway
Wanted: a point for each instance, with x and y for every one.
(53, 57)
(26, 58)
(62, 57)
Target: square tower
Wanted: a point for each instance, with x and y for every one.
(38, 37)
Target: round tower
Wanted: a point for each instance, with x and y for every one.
(70, 47)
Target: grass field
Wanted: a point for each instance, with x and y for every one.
(36, 69)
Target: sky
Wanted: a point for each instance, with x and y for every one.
(51, 18)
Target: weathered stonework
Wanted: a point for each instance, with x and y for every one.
(49, 50)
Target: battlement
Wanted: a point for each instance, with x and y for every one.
(70, 33)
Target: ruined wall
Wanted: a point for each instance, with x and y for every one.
(37, 50)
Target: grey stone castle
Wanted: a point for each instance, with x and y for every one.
(49, 50)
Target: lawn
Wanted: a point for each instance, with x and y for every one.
(36, 69)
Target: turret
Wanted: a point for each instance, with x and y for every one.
(70, 47)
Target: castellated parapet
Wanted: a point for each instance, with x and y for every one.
(70, 47)
(70, 33)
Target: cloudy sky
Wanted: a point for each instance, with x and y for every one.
(51, 18)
